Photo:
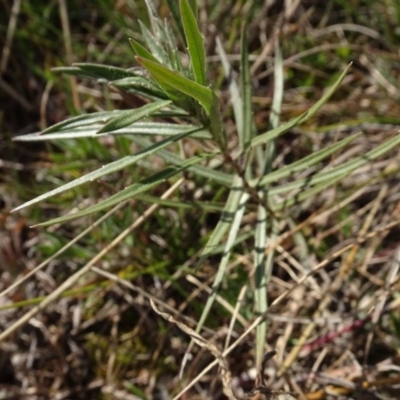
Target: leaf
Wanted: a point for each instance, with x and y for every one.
(139, 85)
(141, 51)
(237, 102)
(194, 7)
(104, 71)
(279, 81)
(195, 43)
(246, 130)
(75, 71)
(225, 220)
(205, 172)
(172, 92)
(84, 120)
(172, 79)
(101, 117)
(216, 126)
(274, 133)
(132, 116)
(173, 5)
(231, 218)
(129, 192)
(173, 51)
(263, 263)
(184, 204)
(107, 169)
(309, 192)
(260, 290)
(154, 46)
(302, 164)
(139, 128)
(332, 173)
(152, 11)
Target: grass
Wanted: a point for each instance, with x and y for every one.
(317, 261)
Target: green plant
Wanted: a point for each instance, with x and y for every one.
(243, 164)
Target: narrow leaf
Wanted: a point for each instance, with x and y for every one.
(260, 291)
(156, 49)
(194, 7)
(237, 207)
(173, 5)
(235, 97)
(75, 71)
(107, 169)
(216, 126)
(274, 133)
(173, 51)
(263, 263)
(279, 80)
(166, 77)
(195, 43)
(233, 233)
(84, 120)
(247, 122)
(205, 172)
(106, 72)
(185, 204)
(139, 128)
(225, 220)
(127, 193)
(141, 51)
(139, 85)
(302, 164)
(308, 193)
(132, 116)
(172, 92)
(332, 173)
(152, 11)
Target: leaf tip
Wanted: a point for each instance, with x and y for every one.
(16, 208)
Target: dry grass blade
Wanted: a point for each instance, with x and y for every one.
(259, 392)
(10, 35)
(279, 299)
(380, 305)
(335, 286)
(68, 49)
(23, 279)
(225, 372)
(75, 277)
(264, 393)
